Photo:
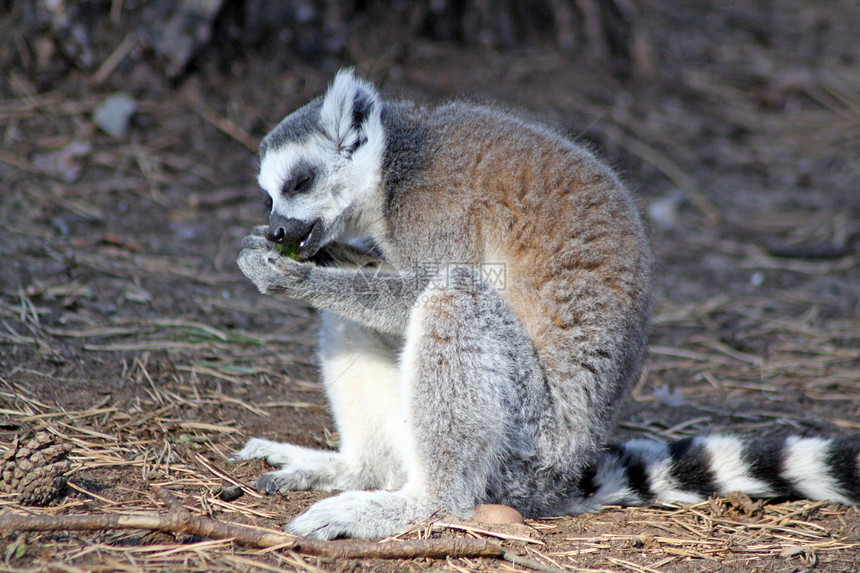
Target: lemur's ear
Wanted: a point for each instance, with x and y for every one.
(349, 104)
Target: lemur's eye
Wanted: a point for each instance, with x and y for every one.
(303, 183)
(267, 201)
(301, 180)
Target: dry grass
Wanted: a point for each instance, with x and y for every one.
(154, 442)
(724, 531)
(818, 358)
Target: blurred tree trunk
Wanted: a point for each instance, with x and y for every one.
(606, 31)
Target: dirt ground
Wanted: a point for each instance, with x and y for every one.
(127, 330)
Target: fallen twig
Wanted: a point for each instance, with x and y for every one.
(178, 520)
(484, 531)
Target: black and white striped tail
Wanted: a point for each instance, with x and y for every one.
(640, 472)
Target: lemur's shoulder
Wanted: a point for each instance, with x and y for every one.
(409, 141)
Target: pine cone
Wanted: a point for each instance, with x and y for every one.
(35, 470)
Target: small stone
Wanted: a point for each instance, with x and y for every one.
(791, 551)
(230, 493)
(66, 163)
(113, 115)
(664, 211)
(669, 397)
(495, 513)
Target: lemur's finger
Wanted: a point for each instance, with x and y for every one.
(255, 242)
(260, 230)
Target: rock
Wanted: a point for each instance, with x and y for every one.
(114, 114)
(494, 513)
(66, 163)
(664, 211)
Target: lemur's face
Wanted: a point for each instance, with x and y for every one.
(321, 164)
(307, 194)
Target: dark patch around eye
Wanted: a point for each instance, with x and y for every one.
(303, 184)
(267, 201)
(302, 178)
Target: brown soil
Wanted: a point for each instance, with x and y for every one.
(126, 328)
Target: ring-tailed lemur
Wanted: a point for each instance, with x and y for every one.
(486, 292)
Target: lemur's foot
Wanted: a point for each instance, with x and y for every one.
(363, 514)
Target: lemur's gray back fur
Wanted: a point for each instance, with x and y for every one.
(485, 288)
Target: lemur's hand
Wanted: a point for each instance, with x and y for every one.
(271, 272)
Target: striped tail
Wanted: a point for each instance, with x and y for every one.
(640, 472)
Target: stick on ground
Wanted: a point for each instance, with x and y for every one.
(178, 520)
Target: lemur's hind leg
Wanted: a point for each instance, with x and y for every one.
(471, 390)
(360, 376)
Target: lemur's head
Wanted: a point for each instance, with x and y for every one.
(321, 164)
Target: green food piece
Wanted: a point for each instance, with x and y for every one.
(290, 250)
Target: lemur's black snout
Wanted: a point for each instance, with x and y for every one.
(287, 231)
